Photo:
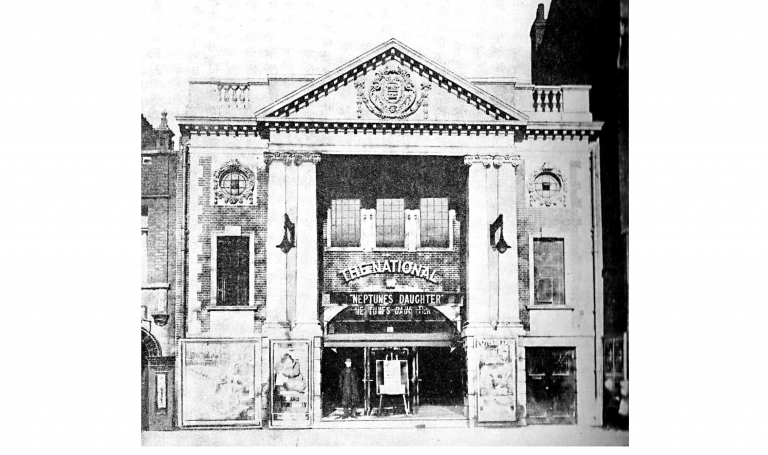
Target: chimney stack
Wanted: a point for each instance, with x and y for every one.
(537, 29)
(164, 134)
(537, 35)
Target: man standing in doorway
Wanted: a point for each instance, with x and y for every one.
(348, 385)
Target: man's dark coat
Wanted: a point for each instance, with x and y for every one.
(348, 386)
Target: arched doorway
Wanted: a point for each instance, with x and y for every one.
(149, 348)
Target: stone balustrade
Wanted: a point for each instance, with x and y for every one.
(553, 103)
(241, 98)
(235, 95)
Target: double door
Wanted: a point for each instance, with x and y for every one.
(551, 385)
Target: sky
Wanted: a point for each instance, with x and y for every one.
(193, 39)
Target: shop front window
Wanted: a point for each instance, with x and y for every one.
(345, 222)
(434, 222)
(390, 223)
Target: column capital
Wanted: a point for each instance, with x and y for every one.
(270, 157)
(495, 160)
(514, 160)
(312, 158)
(485, 160)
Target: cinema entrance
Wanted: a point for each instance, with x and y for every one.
(409, 366)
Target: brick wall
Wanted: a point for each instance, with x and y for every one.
(448, 264)
(572, 221)
(215, 219)
(158, 194)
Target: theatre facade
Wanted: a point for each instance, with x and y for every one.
(441, 233)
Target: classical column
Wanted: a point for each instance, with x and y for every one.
(492, 204)
(306, 246)
(292, 192)
(477, 245)
(509, 303)
(276, 259)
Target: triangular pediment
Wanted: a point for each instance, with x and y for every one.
(392, 82)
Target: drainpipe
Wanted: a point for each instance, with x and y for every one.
(597, 274)
(181, 264)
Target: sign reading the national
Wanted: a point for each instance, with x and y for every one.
(389, 266)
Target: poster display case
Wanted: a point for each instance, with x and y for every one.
(219, 382)
(290, 384)
(496, 381)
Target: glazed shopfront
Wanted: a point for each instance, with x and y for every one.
(392, 285)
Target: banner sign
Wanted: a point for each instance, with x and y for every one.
(496, 381)
(394, 298)
(290, 384)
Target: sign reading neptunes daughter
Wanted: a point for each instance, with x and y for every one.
(290, 384)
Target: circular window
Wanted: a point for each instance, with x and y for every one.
(547, 185)
(233, 183)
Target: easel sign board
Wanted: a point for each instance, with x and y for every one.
(391, 377)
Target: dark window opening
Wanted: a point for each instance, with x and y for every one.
(434, 222)
(232, 267)
(345, 222)
(390, 223)
(549, 271)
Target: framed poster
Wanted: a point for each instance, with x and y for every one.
(290, 380)
(161, 383)
(496, 381)
(392, 377)
(219, 382)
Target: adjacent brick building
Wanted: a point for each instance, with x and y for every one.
(587, 42)
(158, 242)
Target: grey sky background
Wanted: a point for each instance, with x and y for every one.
(192, 39)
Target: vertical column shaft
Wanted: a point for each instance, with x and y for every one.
(306, 241)
(509, 303)
(276, 259)
(492, 201)
(291, 201)
(477, 245)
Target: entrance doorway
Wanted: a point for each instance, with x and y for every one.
(435, 375)
(551, 385)
(149, 348)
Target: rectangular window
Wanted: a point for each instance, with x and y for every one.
(434, 222)
(232, 256)
(144, 244)
(345, 222)
(390, 222)
(549, 271)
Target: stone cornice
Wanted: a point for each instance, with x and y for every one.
(402, 127)
(262, 127)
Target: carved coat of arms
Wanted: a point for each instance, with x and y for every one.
(391, 94)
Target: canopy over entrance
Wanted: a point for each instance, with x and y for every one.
(391, 325)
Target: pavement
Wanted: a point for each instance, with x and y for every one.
(532, 435)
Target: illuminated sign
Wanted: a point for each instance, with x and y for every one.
(389, 266)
